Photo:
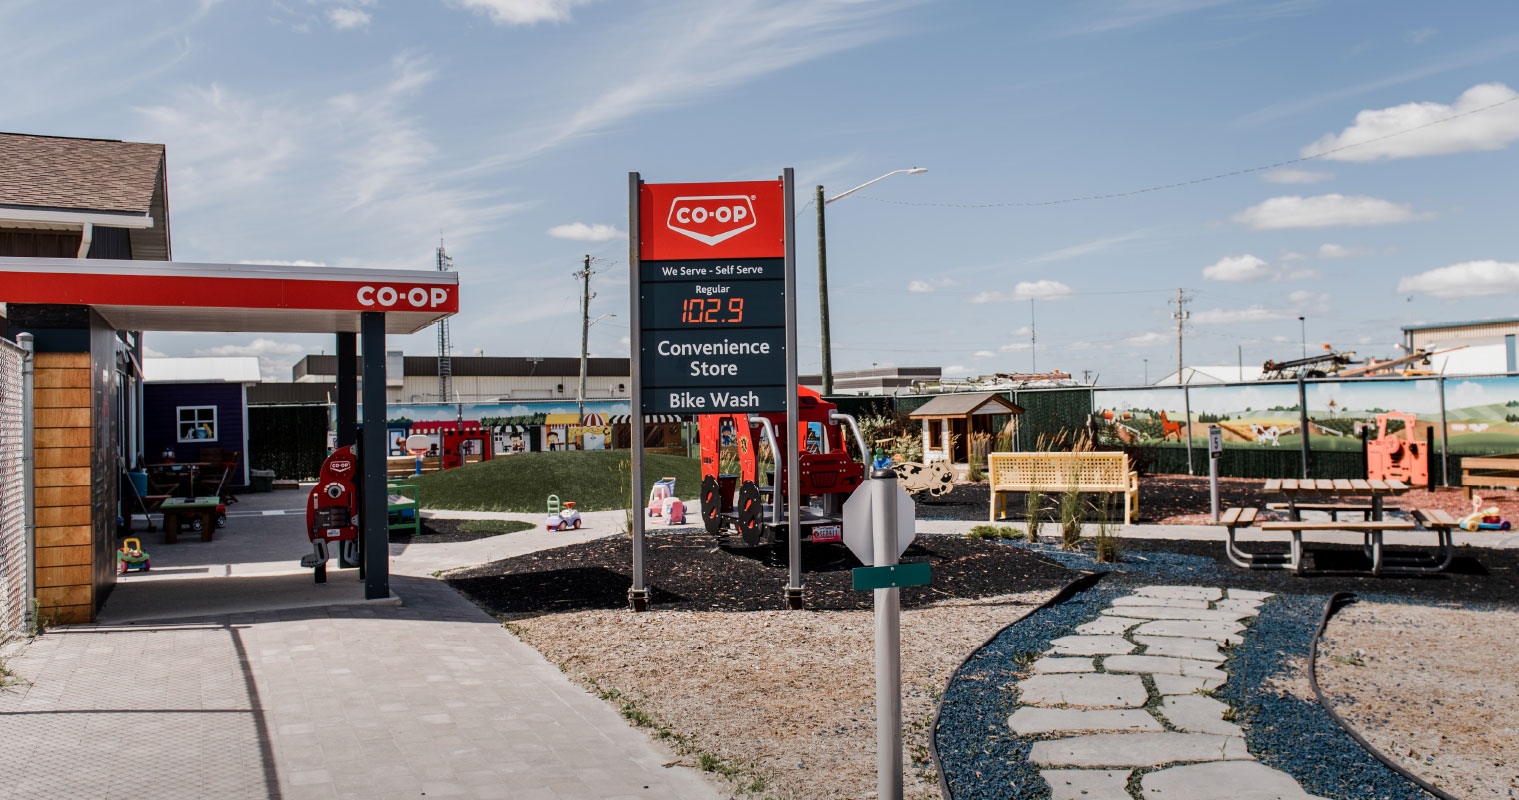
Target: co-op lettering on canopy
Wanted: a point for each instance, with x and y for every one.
(416, 297)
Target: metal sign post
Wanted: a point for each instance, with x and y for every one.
(1215, 452)
(713, 273)
(793, 435)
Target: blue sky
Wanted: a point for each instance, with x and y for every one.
(350, 132)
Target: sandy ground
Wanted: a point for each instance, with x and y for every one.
(1435, 688)
(788, 697)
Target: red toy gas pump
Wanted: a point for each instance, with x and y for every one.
(332, 513)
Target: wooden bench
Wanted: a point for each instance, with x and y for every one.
(1054, 473)
(1335, 509)
(1489, 472)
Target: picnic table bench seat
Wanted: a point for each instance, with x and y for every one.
(1366, 510)
(1436, 521)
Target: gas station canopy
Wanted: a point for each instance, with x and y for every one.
(180, 296)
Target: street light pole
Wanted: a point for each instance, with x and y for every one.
(818, 200)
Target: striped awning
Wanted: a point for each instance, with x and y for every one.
(648, 419)
(512, 429)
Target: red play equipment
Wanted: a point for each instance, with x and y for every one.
(332, 513)
(1391, 458)
(828, 475)
(454, 447)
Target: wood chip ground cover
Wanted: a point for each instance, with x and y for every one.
(786, 697)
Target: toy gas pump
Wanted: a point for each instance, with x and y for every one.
(332, 513)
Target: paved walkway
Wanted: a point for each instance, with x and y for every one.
(432, 698)
(1128, 691)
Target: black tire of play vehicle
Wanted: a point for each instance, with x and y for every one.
(711, 505)
(751, 513)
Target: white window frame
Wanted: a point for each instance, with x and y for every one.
(179, 422)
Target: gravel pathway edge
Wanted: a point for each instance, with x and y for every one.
(1070, 590)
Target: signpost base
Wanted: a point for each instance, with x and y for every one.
(794, 598)
(638, 599)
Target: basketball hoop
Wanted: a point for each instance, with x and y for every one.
(418, 444)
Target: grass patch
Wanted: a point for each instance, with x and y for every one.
(523, 482)
(495, 526)
(991, 532)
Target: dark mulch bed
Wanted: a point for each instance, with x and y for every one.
(690, 571)
(1478, 575)
(440, 530)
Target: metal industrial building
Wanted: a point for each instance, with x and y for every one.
(486, 379)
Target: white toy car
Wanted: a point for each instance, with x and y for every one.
(566, 519)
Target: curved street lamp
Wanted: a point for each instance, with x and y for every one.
(823, 268)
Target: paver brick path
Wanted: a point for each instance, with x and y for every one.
(431, 698)
(1125, 692)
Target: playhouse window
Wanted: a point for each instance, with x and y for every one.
(197, 423)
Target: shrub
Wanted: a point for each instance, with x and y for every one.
(1031, 508)
(1109, 548)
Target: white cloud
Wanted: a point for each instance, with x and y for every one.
(1493, 129)
(1340, 251)
(1303, 300)
(581, 232)
(1023, 331)
(522, 12)
(1421, 35)
(1295, 176)
(275, 358)
(280, 263)
(1467, 279)
(1088, 248)
(1239, 268)
(151, 353)
(924, 287)
(1149, 338)
(984, 354)
(1280, 339)
(1026, 290)
(1229, 316)
(1016, 347)
(1324, 211)
(347, 18)
(955, 369)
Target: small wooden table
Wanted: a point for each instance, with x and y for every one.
(1295, 489)
(197, 509)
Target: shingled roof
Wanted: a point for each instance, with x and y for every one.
(79, 174)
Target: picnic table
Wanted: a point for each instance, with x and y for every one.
(1300, 492)
(199, 511)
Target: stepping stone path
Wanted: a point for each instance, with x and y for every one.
(1126, 692)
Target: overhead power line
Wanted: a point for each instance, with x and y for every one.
(1219, 176)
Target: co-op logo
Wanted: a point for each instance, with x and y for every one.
(711, 220)
(341, 466)
(389, 296)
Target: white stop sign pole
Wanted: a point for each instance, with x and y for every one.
(888, 612)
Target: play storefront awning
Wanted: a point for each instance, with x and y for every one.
(648, 419)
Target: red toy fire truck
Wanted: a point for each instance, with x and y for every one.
(332, 513)
(828, 473)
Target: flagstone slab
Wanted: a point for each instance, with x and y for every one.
(1137, 750)
(1251, 606)
(1192, 629)
(1168, 602)
(1083, 690)
(1184, 592)
(1108, 626)
(1056, 664)
(1178, 647)
(1087, 784)
(1163, 612)
(1177, 684)
(1221, 780)
(1029, 720)
(1161, 665)
(1195, 713)
(1092, 645)
(1246, 594)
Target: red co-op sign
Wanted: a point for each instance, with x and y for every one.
(739, 219)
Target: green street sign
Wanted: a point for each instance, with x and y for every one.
(867, 578)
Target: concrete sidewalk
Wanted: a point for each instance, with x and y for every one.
(355, 702)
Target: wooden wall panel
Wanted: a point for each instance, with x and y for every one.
(63, 537)
(66, 476)
(63, 556)
(54, 457)
(64, 576)
(62, 361)
(62, 398)
(46, 496)
(62, 516)
(61, 437)
(61, 379)
(62, 418)
(66, 546)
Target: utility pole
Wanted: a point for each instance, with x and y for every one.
(1181, 314)
(1033, 340)
(585, 332)
(823, 295)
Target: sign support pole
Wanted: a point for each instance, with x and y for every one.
(638, 594)
(792, 437)
(888, 641)
(1215, 452)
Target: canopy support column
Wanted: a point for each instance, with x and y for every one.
(376, 533)
(348, 389)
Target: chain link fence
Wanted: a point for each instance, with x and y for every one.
(13, 549)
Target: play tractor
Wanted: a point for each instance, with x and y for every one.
(828, 473)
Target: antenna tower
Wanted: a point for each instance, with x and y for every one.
(445, 349)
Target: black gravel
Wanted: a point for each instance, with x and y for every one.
(692, 571)
(1290, 733)
(981, 757)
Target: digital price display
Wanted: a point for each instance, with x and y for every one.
(713, 335)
